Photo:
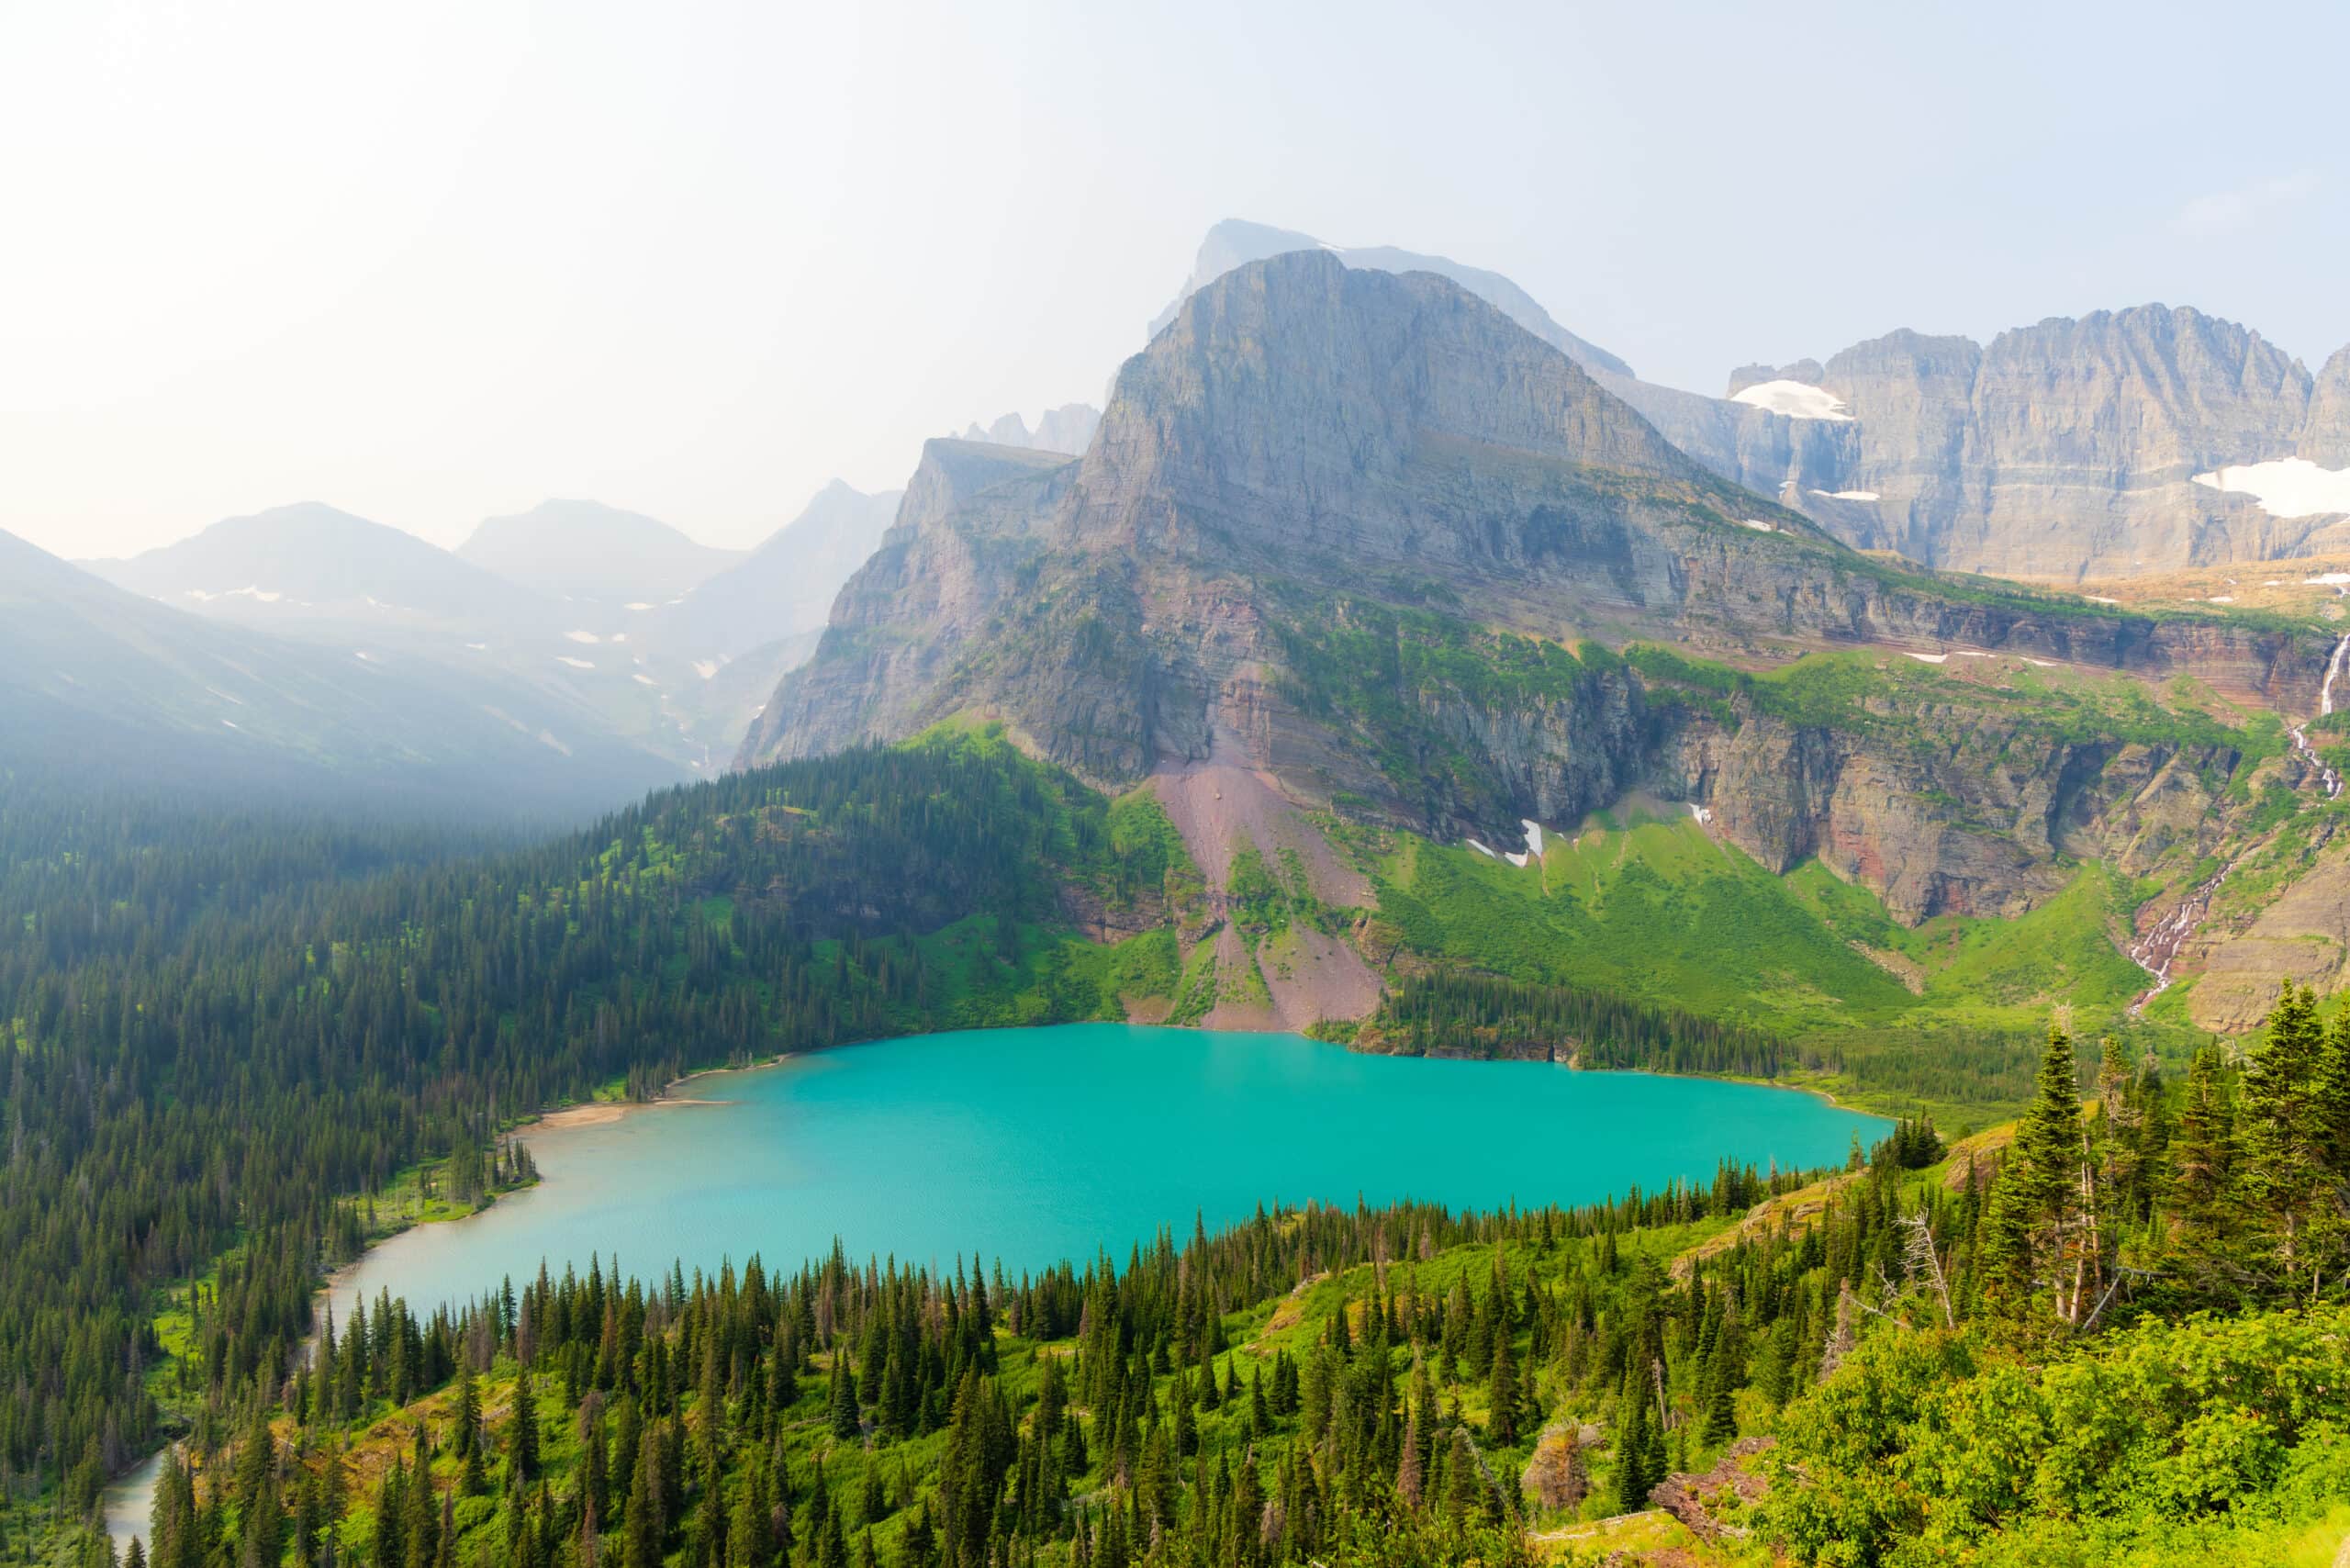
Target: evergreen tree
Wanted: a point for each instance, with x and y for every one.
(1501, 1424)
(522, 1431)
(2290, 1129)
(843, 1403)
(2024, 1239)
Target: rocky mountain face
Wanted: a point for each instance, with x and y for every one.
(784, 589)
(1234, 242)
(2071, 448)
(1763, 451)
(2066, 451)
(2325, 438)
(1335, 536)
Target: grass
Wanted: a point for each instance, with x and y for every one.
(1649, 905)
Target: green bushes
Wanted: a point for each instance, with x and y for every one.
(1927, 1447)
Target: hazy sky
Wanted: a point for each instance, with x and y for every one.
(434, 261)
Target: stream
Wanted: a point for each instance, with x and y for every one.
(2158, 949)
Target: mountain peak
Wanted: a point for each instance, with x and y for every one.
(586, 550)
(1299, 376)
(1234, 242)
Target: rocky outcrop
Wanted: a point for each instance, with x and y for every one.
(2325, 437)
(1234, 242)
(1794, 460)
(1944, 808)
(1317, 480)
(2065, 451)
(2068, 449)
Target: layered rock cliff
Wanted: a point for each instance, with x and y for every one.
(1338, 527)
(2072, 449)
(2065, 451)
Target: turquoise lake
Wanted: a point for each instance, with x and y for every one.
(1035, 1145)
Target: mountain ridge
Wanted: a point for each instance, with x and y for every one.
(1351, 542)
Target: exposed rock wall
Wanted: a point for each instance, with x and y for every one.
(2068, 449)
(1303, 437)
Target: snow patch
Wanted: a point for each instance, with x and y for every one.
(1701, 813)
(357, 654)
(1929, 658)
(2220, 599)
(644, 681)
(706, 667)
(2043, 664)
(1482, 850)
(575, 664)
(2327, 579)
(1757, 524)
(1517, 860)
(478, 647)
(264, 595)
(2285, 486)
(1533, 837)
(638, 604)
(231, 724)
(2099, 599)
(1849, 495)
(1794, 399)
(581, 637)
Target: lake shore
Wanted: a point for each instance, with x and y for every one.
(603, 1113)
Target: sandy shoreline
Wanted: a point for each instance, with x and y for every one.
(603, 1113)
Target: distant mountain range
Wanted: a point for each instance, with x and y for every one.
(2136, 441)
(658, 649)
(1068, 430)
(587, 550)
(97, 682)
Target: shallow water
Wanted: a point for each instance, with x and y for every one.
(130, 1502)
(1035, 1145)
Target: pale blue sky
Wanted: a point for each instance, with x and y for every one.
(433, 262)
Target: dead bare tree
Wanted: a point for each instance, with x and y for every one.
(1923, 1263)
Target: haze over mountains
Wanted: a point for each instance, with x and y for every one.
(536, 622)
(98, 682)
(584, 550)
(1158, 587)
(2138, 439)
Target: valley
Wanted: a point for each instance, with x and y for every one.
(1469, 944)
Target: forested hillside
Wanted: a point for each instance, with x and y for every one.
(226, 1032)
(2115, 1336)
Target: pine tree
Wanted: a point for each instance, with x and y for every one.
(1632, 1443)
(647, 1523)
(522, 1430)
(2287, 1124)
(2203, 1168)
(2024, 1233)
(844, 1394)
(1461, 1486)
(1501, 1425)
